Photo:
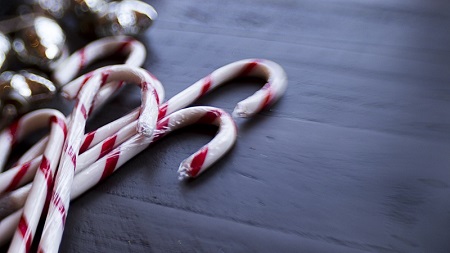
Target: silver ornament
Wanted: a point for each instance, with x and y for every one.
(128, 17)
(5, 48)
(55, 8)
(42, 44)
(20, 92)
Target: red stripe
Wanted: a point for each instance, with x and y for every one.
(120, 84)
(18, 177)
(72, 155)
(248, 68)
(45, 166)
(59, 205)
(49, 193)
(82, 58)
(123, 46)
(105, 76)
(83, 111)
(144, 86)
(108, 145)
(26, 234)
(13, 131)
(61, 123)
(111, 163)
(161, 128)
(206, 85)
(86, 78)
(162, 111)
(269, 95)
(198, 162)
(87, 142)
(155, 94)
(209, 117)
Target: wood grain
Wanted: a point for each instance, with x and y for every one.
(354, 158)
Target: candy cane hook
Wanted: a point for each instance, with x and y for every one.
(83, 181)
(273, 89)
(42, 184)
(20, 129)
(86, 90)
(97, 50)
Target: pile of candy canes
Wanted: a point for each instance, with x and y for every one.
(68, 162)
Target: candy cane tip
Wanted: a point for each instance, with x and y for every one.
(145, 129)
(241, 112)
(184, 171)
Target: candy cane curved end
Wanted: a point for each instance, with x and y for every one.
(99, 49)
(274, 88)
(276, 83)
(225, 138)
(37, 196)
(25, 125)
(151, 89)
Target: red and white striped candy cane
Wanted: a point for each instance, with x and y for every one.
(18, 175)
(59, 204)
(198, 162)
(190, 167)
(25, 169)
(96, 50)
(42, 184)
(20, 129)
(273, 89)
(152, 90)
(271, 92)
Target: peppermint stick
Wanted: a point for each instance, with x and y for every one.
(42, 185)
(92, 175)
(59, 204)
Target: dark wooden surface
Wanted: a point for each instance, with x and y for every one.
(354, 158)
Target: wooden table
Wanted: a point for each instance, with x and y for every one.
(354, 158)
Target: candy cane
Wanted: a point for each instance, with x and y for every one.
(276, 85)
(97, 50)
(269, 94)
(83, 181)
(192, 167)
(93, 145)
(273, 89)
(59, 204)
(108, 164)
(42, 185)
(19, 129)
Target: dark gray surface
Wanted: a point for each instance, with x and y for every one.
(354, 158)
